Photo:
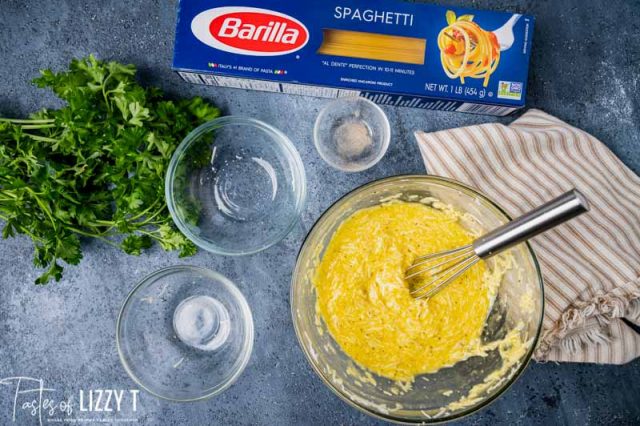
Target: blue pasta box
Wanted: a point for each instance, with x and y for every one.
(391, 52)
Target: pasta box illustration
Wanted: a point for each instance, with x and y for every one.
(392, 52)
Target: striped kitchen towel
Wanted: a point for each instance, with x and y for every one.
(591, 265)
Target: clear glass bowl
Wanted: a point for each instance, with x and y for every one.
(235, 186)
(427, 401)
(351, 134)
(184, 333)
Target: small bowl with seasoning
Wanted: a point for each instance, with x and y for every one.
(351, 134)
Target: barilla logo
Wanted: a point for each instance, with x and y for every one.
(249, 31)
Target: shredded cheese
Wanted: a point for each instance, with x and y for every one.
(365, 301)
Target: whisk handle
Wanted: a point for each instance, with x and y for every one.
(547, 216)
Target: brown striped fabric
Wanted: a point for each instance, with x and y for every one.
(591, 266)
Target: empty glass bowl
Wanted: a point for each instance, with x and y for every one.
(235, 186)
(351, 134)
(431, 397)
(184, 333)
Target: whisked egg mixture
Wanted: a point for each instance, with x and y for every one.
(364, 299)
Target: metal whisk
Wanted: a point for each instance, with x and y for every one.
(444, 267)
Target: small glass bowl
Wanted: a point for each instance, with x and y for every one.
(184, 333)
(235, 186)
(351, 134)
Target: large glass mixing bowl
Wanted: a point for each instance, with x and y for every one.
(443, 395)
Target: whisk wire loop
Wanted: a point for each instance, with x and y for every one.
(447, 257)
(443, 276)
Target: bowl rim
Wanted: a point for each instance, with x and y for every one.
(277, 136)
(388, 417)
(247, 349)
(386, 136)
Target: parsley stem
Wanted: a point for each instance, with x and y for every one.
(43, 206)
(151, 234)
(148, 220)
(27, 121)
(103, 223)
(9, 194)
(92, 235)
(31, 235)
(104, 93)
(40, 138)
(37, 126)
(99, 222)
(145, 211)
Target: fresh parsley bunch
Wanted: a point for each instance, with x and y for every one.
(96, 167)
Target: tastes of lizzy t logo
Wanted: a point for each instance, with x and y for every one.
(31, 398)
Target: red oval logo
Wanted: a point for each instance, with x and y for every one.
(250, 31)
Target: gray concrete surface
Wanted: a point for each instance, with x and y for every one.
(586, 63)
